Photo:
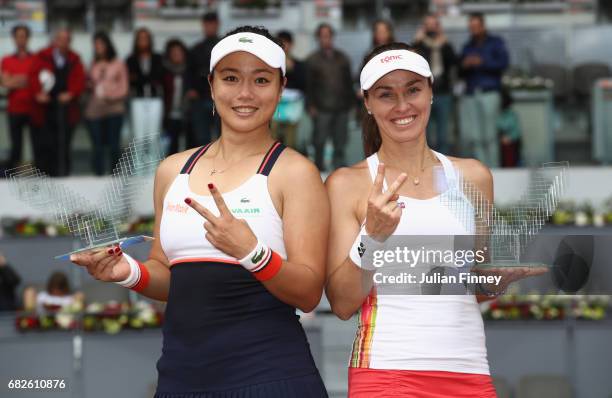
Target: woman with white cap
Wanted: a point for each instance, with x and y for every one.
(406, 345)
(230, 254)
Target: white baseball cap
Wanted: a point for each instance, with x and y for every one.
(256, 44)
(391, 60)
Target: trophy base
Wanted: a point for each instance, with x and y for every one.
(122, 242)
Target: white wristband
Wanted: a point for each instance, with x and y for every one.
(134, 276)
(359, 249)
(257, 258)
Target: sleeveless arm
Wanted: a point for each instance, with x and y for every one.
(347, 285)
(305, 215)
(157, 264)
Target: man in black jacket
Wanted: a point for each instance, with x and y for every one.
(198, 90)
(431, 43)
(329, 96)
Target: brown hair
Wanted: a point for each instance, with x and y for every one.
(58, 281)
(387, 25)
(370, 133)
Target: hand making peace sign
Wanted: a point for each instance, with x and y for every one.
(383, 213)
(232, 236)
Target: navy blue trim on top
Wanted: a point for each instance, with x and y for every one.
(194, 158)
(271, 157)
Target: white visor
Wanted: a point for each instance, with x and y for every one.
(258, 45)
(391, 60)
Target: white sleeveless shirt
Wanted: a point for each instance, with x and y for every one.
(182, 233)
(422, 332)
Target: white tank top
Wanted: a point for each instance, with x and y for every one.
(182, 234)
(422, 332)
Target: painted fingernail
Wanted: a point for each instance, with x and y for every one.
(210, 185)
(117, 249)
(110, 251)
(187, 200)
(119, 253)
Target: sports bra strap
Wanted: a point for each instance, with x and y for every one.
(449, 170)
(193, 159)
(271, 156)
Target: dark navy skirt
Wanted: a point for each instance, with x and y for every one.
(309, 386)
(225, 335)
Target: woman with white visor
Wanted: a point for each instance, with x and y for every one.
(230, 254)
(405, 346)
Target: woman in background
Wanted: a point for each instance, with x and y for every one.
(104, 112)
(145, 66)
(175, 69)
(56, 296)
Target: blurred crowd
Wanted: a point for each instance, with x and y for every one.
(56, 295)
(50, 91)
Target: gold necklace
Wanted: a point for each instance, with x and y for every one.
(216, 171)
(415, 179)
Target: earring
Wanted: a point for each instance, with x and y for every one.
(369, 113)
(213, 111)
(432, 100)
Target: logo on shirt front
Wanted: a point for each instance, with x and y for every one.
(246, 211)
(177, 208)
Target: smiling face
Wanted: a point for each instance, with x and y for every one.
(400, 102)
(246, 91)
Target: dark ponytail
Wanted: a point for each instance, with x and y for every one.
(370, 132)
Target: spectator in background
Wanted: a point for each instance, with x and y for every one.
(145, 66)
(203, 120)
(329, 96)
(432, 43)
(509, 129)
(285, 130)
(175, 76)
(9, 280)
(14, 72)
(382, 33)
(57, 295)
(146, 72)
(483, 61)
(106, 106)
(57, 80)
